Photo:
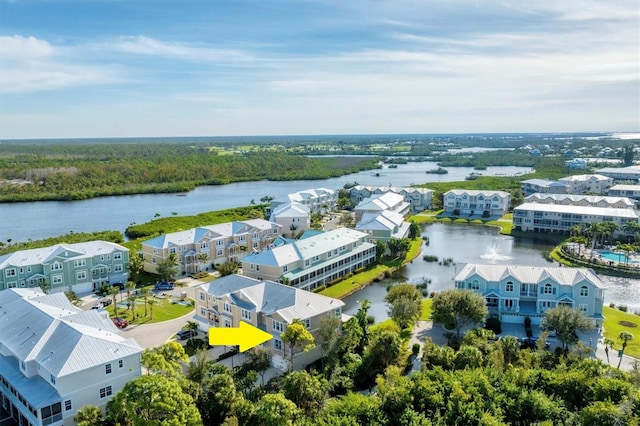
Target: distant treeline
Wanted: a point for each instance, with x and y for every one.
(70, 238)
(76, 171)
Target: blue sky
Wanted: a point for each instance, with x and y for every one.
(93, 68)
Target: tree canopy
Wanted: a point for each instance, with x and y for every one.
(458, 308)
(567, 322)
(404, 304)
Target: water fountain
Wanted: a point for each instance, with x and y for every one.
(493, 253)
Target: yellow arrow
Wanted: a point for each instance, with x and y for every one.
(246, 336)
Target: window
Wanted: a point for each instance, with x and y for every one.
(120, 363)
(509, 286)
(67, 405)
(172, 250)
(285, 268)
(226, 307)
(583, 307)
(107, 369)
(204, 246)
(79, 263)
(56, 279)
(220, 252)
(117, 256)
(584, 290)
(246, 315)
(52, 379)
(475, 285)
(277, 326)
(10, 272)
(307, 323)
(547, 289)
(51, 413)
(227, 323)
(277, 344)
(201, 295)
(105, 392)
(220, 242)
(56, 266)
(153, 259)
(117, 268)
(81, 275)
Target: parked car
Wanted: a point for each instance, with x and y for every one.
(186, 334)
(531, 343)
(120, 322)
(164, 286)
(119, 285)
(102, 303)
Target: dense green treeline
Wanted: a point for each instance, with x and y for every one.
(71, 172)
(486, 159)
(70, 238)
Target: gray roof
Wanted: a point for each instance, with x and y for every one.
(591, 199)
(270, 297)
(476, 192)
(56, 334)
(385, 220)
(530, 274)
(47, 254)
(580, 210)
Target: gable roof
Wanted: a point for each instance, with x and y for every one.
(270, 298)
(530, 274)
(42, 255)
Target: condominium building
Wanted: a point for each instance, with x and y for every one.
(378, 203)
(544, 186)
(198, 249)
(468, 202)
(267, 305)
(559, 218)
(314, 261)
(621, 174)
(588, 184)
(293, 218)
(383, 226)
(621, 190)
(81, 267)
(56, 358)
(582, 200)
(419, 198)
(515, 292)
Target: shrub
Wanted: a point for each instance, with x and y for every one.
(430, 258)
(612, 305)
(494, 325)
(623, 308)
(415, 348)
(485, 213)
(456, 212)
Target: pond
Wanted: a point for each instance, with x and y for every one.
(476, 244)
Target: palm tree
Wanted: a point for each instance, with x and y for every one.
(88, 415)
(625, 336)
(144, 293)
(132, 300)
(632, 228)
(129, 285)
(608, 343)
(203, 257)
(113, 291)
(151, 302)
(191, 325)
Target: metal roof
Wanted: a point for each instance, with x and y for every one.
(47, 254)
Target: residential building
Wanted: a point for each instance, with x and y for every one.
(56, 358)
(377, 203)
(621, 174)
(314, 261)
(267, 305)
(383, 226)
(293, 218)
(587, 184)
(469, 202)
(544, 186)
(319, 200)
(515, 292)
(419, 198)
(81, 267)
(576, 163)
(199, 248)
(559, 218)
(631, 191)
(582, 200)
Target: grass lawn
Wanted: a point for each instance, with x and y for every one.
(349, 285)
(613, 327)
(163, 310)
(426, 310)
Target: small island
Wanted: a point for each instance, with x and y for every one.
(438, 171)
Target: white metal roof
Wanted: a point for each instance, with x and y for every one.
(582, 210)
(530, 274)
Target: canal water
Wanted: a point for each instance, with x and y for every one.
(475, 244)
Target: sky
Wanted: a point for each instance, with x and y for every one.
(144, 68)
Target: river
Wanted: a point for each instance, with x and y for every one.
(37, 220)
(476, 244)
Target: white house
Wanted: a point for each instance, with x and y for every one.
(56, 358)
(383, 226)
(419, 198)
(515, 292)
(319, 200)
(314, 261)
(81, 267)
(267, 305)
(582, 200)
(468, 202)
(377, 203)
(545, 186)
(293, 218)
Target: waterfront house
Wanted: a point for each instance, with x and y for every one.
(267, 305)
(515, 292)
(383, 226)
(314, 261)
(319, 200)
(560, 218)
(419, 198)
(621, 190)
(56, 358)
(197, 249)
(293, 218)
(588, 184)
(544, 186)
(582, 200)
(469, 202)
(81, 267)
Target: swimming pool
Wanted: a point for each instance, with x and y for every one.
(616, 257)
